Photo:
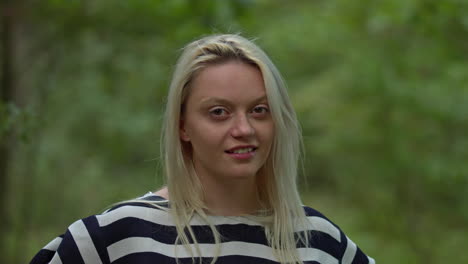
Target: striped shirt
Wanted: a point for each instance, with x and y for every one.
(136, 232)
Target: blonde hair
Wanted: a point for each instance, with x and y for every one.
(278, 191)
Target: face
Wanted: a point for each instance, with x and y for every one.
(227, 123)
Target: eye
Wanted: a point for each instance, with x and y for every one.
(260, 111)
(219, 113)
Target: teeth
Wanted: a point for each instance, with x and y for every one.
(243, 150)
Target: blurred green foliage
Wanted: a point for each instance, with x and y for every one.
(380, 87)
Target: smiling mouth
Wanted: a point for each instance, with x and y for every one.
(241, 150)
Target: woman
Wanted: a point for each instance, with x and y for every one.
(231, 144)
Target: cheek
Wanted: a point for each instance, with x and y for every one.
(204, 137)
(268, 133)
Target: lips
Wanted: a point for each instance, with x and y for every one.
(242, 153)
(241, 149)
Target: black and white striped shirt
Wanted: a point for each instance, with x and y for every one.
(140, 233)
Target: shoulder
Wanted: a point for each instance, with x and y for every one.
(328, 237)
(147, 203)
(151, 209)
(320, 223)
(88, 239)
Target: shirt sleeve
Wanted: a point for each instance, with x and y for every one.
(331, 239)
(46, 254)
(80, 244)
(353, 254)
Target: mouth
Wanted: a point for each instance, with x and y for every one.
(241, 150)
(242, 153)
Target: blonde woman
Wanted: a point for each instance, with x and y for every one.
(231, 144)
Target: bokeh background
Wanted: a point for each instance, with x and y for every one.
(380, 87)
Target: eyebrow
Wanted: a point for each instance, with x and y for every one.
(227, 102)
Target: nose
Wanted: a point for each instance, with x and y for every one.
(242, 127)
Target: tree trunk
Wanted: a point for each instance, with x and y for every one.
(7, 86)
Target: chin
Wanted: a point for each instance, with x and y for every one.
(243, 174)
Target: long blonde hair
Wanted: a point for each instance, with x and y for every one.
(278, 189)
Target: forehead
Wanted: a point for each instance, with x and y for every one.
(231, 80)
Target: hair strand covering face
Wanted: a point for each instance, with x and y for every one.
(283, 212)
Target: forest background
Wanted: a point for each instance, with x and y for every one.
(380, 87)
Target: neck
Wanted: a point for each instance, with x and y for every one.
(230, 198)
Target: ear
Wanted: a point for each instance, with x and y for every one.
(182, 132)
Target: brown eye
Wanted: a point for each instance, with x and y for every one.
(219, 113)
(260, 110)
